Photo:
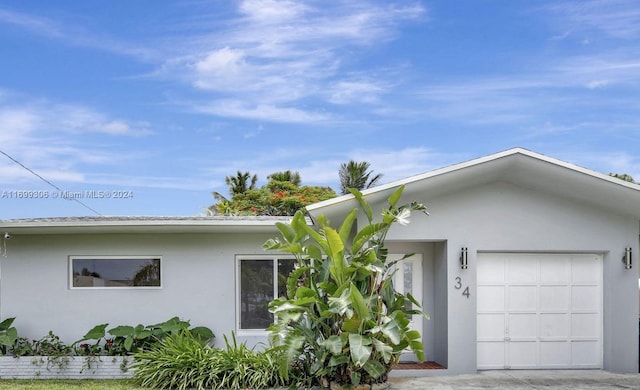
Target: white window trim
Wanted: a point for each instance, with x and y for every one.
(100, 257)
(274, 258)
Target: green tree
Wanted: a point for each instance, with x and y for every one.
(241, 182)
(277, 197)
(356, 175)
(623, 176)
(293, 177)
(342, 320)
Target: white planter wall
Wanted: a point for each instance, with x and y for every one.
(66, 367)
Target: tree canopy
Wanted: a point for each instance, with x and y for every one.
(282, 195)
(356, 175)
(623, 176)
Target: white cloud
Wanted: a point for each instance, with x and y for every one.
(614, 18)
(72, 35)
(277, 56)
(56, 140)
(262, 112)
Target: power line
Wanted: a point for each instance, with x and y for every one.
(47, 181)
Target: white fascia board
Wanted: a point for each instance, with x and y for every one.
(314, 208)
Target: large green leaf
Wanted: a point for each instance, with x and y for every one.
(386, 351)
(393, 199)
(336, 255)
(363, 204)
(360, 349)
(365, 234)
(334, 344)
(6, 324)
(357, 300)
(292, 280)
(351, 325)
(8, 337)
(391, 329)
(374, 368)
(355, 378)
(338, 360)
(347, 225)
(287, 231)
(121, 331)
(341, 304)
(96, 333)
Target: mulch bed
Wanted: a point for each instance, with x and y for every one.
(418, 366)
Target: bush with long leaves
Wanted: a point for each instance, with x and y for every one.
(342, 321)
(182, 361)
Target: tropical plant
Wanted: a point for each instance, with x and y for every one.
(292, 177)
(182, 361)
(241, 182)
(623, 176)
(356, 175)
(342, 321)
(274, 198)
(8, 334)
(130, 339)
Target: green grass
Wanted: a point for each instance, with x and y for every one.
(57, 384)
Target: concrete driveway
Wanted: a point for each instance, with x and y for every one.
(523, 380)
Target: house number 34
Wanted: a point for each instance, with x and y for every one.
(458, 286)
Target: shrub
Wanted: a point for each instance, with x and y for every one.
(342, 321)
(182, 361)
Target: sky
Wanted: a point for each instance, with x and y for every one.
(144, 107)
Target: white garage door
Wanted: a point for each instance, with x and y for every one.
(539, 311)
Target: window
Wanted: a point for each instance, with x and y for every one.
(260, 281)
(114, 272)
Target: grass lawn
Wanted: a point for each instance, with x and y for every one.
(51, 384)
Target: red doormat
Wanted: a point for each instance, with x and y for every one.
(418, 366)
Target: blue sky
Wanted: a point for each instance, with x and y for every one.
(163, 99)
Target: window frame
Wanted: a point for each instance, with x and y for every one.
(115, 257)
(274, 262)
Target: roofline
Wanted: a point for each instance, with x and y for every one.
(470, 163)
(97, 225)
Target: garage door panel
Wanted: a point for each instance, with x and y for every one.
(547, 311)
(493, 270)
(491, 298)
(523, 326)
(556, 270)
(522, 298)
(492, 354)
(523, 354)
(585, 269)
(585, 325)
(585, 298)
(555, 354)
(521, 272)
(554, 326)
(584, 354)
(554, 298)
(491, 326)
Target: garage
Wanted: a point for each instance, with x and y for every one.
(539, 311)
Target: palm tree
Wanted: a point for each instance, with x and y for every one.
(238, 183)
(355, 175)
(293, 177)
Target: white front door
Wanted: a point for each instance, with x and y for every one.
(539, 311)
(408, 280)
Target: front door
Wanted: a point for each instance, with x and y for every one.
(408, 280)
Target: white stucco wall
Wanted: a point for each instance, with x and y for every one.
(198, 282)
(504, 217)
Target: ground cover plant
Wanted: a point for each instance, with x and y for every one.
(183, 361)
(342, 321)
(121, 340)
